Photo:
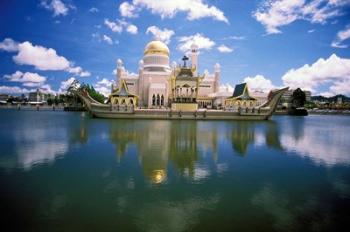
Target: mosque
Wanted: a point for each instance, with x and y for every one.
(159, 84)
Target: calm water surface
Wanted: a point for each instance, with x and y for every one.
(67, 172)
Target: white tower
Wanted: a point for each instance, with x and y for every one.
(217, 70)
(141, 83)
(194, 58)
(120, 70)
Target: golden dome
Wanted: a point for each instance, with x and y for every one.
(156, 47)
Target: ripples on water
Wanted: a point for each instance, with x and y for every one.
(67, 171)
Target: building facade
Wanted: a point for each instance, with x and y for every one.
(153, 82)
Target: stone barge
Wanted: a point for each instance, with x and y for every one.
(99, 110)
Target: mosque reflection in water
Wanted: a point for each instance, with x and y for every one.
(183, 142)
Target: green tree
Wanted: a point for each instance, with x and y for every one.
(93, 93)
(298, 98)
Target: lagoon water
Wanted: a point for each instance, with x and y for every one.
(64, 171)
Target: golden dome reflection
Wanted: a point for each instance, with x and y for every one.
(158, 176)
(156, 47)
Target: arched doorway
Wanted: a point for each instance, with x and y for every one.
(158, 100)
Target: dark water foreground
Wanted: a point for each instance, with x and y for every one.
(64, 171)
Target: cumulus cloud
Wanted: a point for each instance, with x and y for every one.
(128, 10)
(9, 45)
(104, 86)
(273, 14)
(132, 29)
(19, 76)
(159, 34)
(13, 90)
(40, 57)
(259, 83)
(226, 88)
(341, 36)
(201, 41)
(56, 6)
(107, 39)
(115, 27)
(224, 49)
(334, 71)
(195, 9)
(120, 25)
(65, 85)
(93, 10)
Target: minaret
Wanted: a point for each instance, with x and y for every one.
(217, 77)
(120, 70)
(194, 58)
(141, 83)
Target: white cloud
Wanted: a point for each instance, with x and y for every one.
(201, 41)
(259, 83)
(128, 10)
(40, 57)
(115, 27)
(57, 6)
(132, 29)
(120, 25)
(93, 10)
(46, 88)
(334, 71)
(107, 39)
(224, 49)
(341, 36)
(19, 76)
(233, 37)
(226, 88)
(13, 90)
(159, 34)
(195, 9)
(9, 45)
(104, 86)
(276, 13)
(65, 85)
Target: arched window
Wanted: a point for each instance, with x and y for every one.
(131, 102)
(162, 100)
(123, 102)
(153, 100)
(158, 100)
(116, 102)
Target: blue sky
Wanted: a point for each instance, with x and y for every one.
(297, 43)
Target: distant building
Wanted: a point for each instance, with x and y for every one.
(38, 96)
(339, 100)
(4, 98)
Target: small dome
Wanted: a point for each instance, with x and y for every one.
(156, 47)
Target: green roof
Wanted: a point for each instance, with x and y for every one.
(239, 90)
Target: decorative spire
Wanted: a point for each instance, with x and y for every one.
(185, 58)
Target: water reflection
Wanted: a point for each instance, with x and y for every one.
(323, 142)
(184, 143)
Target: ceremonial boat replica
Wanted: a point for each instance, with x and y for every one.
(99, 110)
